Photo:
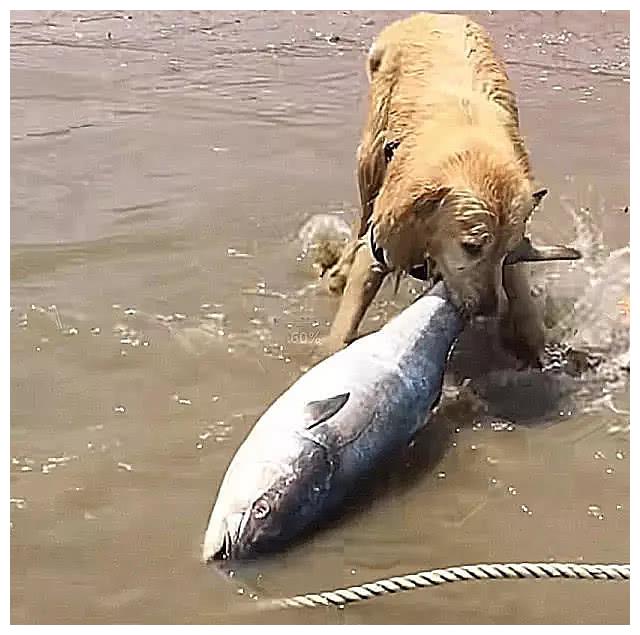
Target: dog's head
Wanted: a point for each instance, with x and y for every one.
(469, 220)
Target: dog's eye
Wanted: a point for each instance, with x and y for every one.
(389, 150)
(473, 250)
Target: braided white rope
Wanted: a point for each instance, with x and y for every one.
(524, 570)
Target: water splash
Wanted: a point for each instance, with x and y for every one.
(596, 315)
(322, 239)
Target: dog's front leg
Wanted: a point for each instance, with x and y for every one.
(364, 280)
(522, 326)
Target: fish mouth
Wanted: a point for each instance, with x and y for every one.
(226, 550)
(226, 542)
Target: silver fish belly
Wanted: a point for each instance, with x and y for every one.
(333, 426)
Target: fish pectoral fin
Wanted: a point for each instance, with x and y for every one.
(318, 411)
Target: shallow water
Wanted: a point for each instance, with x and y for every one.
(161, 167)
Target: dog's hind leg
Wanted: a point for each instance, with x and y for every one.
(363, 282)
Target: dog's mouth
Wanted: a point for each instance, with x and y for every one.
(427, 271)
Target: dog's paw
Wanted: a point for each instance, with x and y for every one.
(338, 275)
(337, 279)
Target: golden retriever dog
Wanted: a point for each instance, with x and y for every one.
(445, 183)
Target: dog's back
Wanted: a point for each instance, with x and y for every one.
(418, 61)
(438, 69)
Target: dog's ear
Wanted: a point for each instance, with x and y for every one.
(538, 195)
(430, 200)
(526, 252)
(374, 59)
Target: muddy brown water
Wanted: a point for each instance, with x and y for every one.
(161, 166)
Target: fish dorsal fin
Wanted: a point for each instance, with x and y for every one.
(318, 411)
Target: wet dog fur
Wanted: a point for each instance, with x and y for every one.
(445, 180)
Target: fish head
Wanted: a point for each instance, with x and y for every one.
(282, 505)
(239, 534)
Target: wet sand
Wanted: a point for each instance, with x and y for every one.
(161, 166)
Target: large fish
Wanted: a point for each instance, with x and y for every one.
(334, 425)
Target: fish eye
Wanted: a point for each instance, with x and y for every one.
(473, 250)
(261, 508)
